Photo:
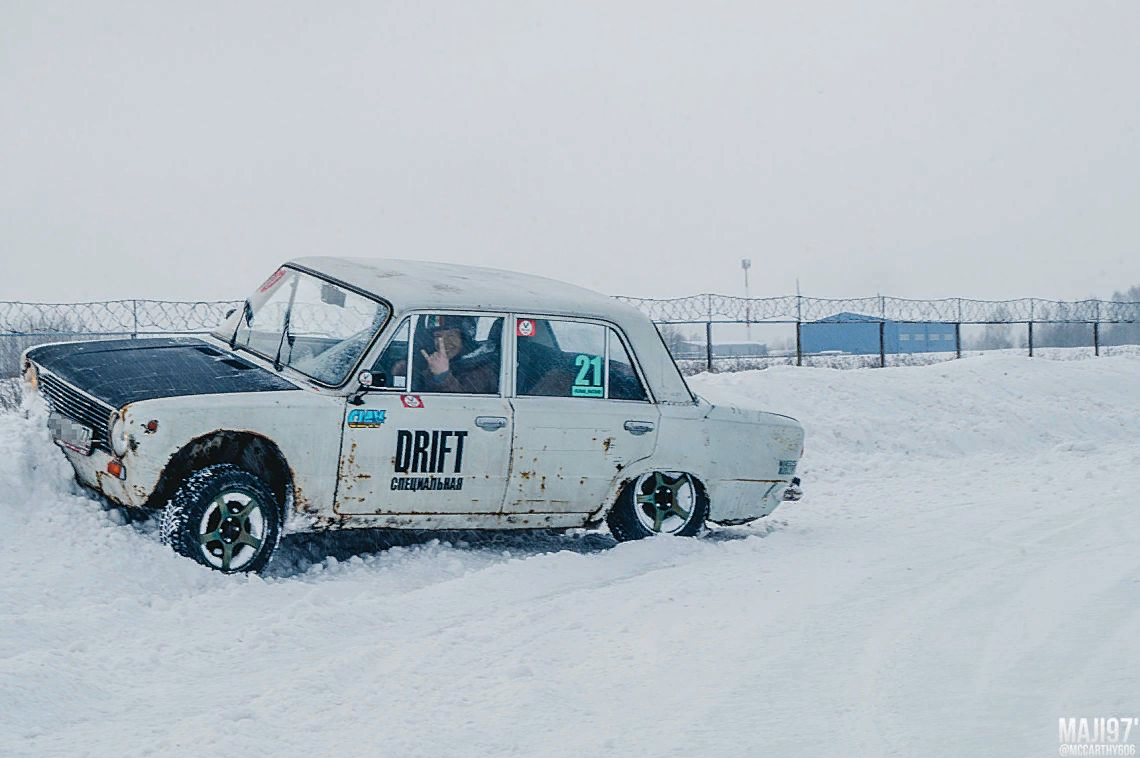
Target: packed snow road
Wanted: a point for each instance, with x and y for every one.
(963, 572)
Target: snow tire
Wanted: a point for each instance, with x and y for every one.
(225, 518)
(645, 503)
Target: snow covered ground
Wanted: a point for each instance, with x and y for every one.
(964, 571)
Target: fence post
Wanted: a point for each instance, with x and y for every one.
(1096, 330)
(708, 336)
(1031, 327)
(882, 344)
(799, 345)
(958, 339)
(799, 323)
(708, 346)
(135, 319)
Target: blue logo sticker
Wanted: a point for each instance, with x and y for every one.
(366, 418)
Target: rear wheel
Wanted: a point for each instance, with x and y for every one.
(223, 517)
(660, 502)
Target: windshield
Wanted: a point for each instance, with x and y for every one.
(308, 324)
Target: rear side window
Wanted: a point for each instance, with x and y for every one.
(563, 358)
(623, 381)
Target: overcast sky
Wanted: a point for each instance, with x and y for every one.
(911, 148)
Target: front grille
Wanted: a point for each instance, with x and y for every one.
(70, 402)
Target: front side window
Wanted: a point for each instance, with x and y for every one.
(456, 353)
(308, 324)
(561, 358)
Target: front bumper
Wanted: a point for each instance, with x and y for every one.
(91, 471)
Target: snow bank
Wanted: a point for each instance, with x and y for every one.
(993, 404)
(962, 573)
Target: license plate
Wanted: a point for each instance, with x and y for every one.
(787, 468)
(70, 434)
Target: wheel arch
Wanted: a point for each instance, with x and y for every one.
(246, 450)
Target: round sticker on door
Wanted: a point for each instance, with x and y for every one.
(526, 327)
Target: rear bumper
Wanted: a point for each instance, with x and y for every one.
(738, 501)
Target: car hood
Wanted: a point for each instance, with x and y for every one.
(125, 371)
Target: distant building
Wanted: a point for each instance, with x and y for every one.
(688, 349)
(739, 349)
(858, 334)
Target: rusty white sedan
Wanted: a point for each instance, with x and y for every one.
(353, 393)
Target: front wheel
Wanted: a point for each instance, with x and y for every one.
(223, 517)
(660, 502)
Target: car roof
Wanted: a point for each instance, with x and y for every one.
(414, 285)
(423, 285)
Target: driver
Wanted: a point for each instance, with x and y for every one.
(459, 363)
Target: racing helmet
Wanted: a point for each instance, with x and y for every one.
(466, 325)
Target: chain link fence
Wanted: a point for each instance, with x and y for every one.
(704, 332)
(23, 325)
(715, 332)
(793, 308)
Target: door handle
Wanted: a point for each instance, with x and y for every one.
(638, 428)
(490, 423)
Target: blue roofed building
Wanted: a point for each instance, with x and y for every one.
(858, 334)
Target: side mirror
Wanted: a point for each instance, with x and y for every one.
(367, 380)
(372, 380)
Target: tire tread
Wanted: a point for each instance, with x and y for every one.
(195, 493)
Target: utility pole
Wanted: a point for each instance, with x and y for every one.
(747, 264)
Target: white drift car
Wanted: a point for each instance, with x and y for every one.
(352, 393)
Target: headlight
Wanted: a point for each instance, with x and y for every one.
(31, 375)
(117, 432)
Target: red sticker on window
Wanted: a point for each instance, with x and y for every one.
(526, 327)
(412, 401)
(273, 279)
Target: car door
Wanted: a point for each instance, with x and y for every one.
(419, 446)
(581, 415)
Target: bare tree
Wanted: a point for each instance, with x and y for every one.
(1077, 333)
(997, 336)
(10, 393)
(674, 339)
(1124, 334)
(35, 331)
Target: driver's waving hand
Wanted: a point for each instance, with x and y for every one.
(458, 362)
